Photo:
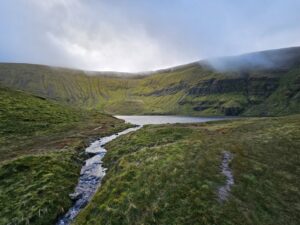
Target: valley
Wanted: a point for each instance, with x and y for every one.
(251, 89)
(217, 146)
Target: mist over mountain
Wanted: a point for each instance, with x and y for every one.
(272, 59)
(134, 36)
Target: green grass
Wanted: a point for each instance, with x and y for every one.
(34, 189)
(31, 124)
(41, 153)
(24, 114)
(170, 174)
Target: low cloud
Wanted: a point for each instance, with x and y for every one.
(136, 35)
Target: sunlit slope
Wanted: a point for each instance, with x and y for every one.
(193, 89)
(71, 86)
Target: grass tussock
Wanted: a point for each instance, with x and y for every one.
(34, 189)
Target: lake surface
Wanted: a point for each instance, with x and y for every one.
(151, 119)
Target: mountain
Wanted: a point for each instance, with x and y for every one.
(260, 83)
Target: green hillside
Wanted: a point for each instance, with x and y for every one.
(193, 89)
(170, 174)
(39, 139)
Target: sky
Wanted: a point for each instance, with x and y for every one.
(142, 35)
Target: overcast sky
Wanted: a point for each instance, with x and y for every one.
(141, 35)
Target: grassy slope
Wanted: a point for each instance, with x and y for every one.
(170, 174)
(252, 91)
(41, 145)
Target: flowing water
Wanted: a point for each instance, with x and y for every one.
(93, 172)
(226, 171)
(91, 175)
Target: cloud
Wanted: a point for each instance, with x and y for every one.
(132, 35)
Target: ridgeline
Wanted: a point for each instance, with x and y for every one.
(256, 84)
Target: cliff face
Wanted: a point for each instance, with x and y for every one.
(194, 89)
(252, 91)
(260, 86)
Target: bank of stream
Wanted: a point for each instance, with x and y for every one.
(93, 171)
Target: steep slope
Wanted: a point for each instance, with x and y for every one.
(263, 83)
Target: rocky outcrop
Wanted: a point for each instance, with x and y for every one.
(169, 90)
(216, 86)
(261, 86)
(232, 110)
(249, 90)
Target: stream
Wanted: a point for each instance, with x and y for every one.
(93, 171)
(91, 175)
(224, 190)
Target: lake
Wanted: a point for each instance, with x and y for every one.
(151, 119)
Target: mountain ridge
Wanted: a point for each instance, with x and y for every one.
(192, 89)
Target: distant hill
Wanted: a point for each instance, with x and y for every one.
(260, 83)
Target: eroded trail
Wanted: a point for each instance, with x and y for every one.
(90, 176)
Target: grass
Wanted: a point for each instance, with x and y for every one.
(170, 174)
(34, 189)
(41, 153)
(31, 124)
